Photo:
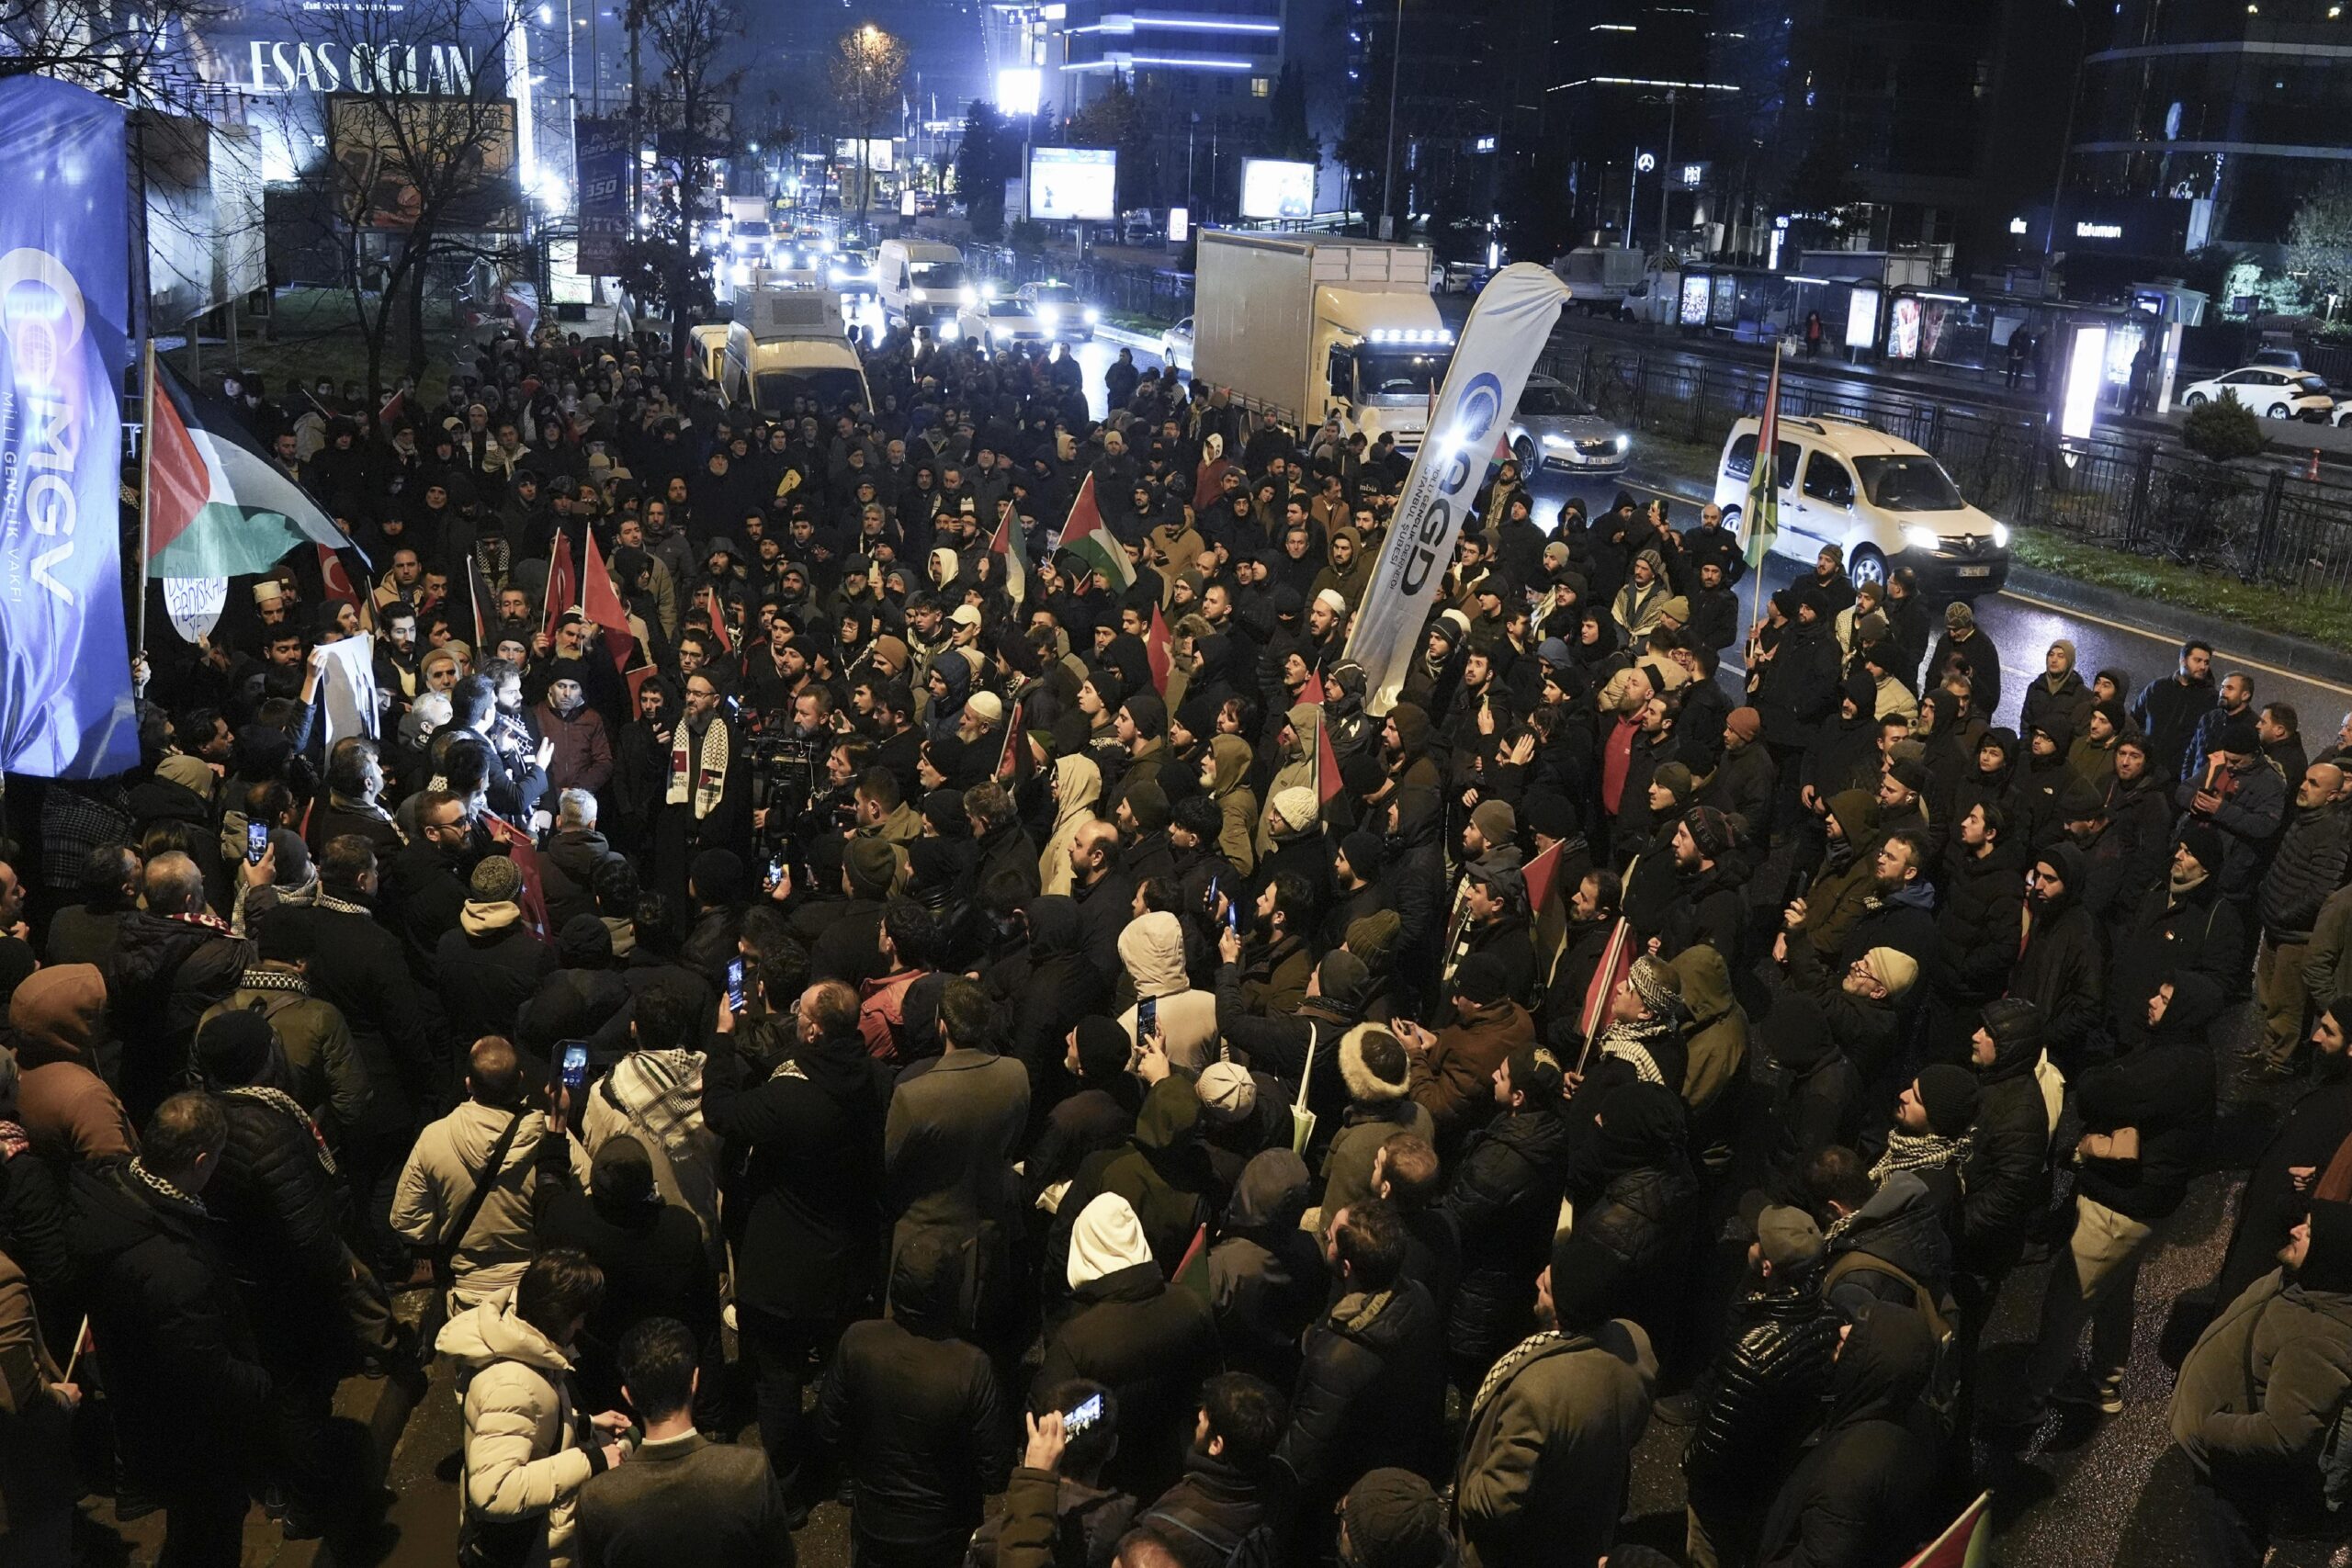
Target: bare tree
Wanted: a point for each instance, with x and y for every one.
(868, 72)
(420, 178)
(119, 51)
(692, 38)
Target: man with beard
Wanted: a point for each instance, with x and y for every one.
(1976, 929)
(2237, 791)
(2307, 867)
(1708, 905)
(2059, 966)
(2128, 847)
(2309, 1156)
(2261, 1391)
(1900, 911)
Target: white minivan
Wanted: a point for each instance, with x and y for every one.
(922, 284)
(1884, 501)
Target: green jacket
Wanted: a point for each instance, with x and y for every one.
(2268, 1379)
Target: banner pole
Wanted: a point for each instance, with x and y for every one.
(146, 490)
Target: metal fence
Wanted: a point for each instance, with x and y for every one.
(2263, 524)
(1153, 292)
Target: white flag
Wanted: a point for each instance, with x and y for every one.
(1507, 328)
(347, 688)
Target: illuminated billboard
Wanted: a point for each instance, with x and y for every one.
(1073, 185)
(1274, 187)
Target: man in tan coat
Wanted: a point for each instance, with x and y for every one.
(453, 1154)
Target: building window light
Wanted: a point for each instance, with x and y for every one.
(1260, 87)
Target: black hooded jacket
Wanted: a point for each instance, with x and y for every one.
(2006, 1181)
(1854, 1501)
(2166, 1091)
(1504, 1202)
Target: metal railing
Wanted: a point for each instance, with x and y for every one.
(2267, 526)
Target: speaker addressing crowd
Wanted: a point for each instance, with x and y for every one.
(878, 952)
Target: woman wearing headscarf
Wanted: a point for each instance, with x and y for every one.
(1225, 776)
(1077, 784)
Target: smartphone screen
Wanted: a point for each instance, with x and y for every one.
(775, 871)
(1081, 1415)
(256, 841)
(575, 1064)
(735, 984)
(1147, 1017)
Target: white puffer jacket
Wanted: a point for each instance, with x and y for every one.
(523, 1455)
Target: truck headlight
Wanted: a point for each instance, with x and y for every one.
(1923, 539)
(970, 294)
(2000, 536)
(949, 332)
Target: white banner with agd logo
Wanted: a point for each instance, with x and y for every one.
(1507, 328)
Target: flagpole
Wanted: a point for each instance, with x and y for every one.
(146, 490)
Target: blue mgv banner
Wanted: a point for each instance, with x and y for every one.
(66, 707)
(602, 151)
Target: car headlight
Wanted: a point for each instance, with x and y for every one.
(1050, 314)
(1094, 316)
(1557, 442)
(1624, 441)
(2000, 536)
(970, 296)
(1923, 539)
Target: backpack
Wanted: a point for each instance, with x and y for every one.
(1252, 1549)
(1942, 1397)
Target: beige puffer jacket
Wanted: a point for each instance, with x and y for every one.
(523, 1454)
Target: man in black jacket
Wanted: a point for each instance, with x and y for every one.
(1372, 1389)
(280, 1208)
(805, 1210)
(187, 1388)
(2308, 866)
(916, 1417)
(681, 1499)
(2146, 1118)
(2168, 707)
(2005, 1184)
(172, 961)
(1757, 1404)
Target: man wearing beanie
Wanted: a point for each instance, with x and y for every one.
(1141, 728)
(1493, 922)
(326, 1077)
(1964, 643)
(1742, 783)
(1763, 1396)
(1282, 1044)
(1356, 873)
(1931, 1135)
(1453, 1069)
(1548, 1434)
(1378, 1077)
(2237, 791)
(490, 966)
(1707, 904)
(2059, 968)
(1392, 1520)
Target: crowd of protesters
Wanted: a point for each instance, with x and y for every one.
(1046, 1036)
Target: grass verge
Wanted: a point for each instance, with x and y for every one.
(2224, 598)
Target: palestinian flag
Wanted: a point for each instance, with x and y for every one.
(1545, 913)
(1313, 691)
(1085, 537)
(1760, 524)
(1014, 549)
(217, 505)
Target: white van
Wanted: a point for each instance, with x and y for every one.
(786, 343)
(1884, 501)
(922, 284)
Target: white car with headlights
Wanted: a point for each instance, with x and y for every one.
(850, 271)
(1065, 316)
(2271, 390)
(1001, 323)
(1554, 431)
(1886, 503)
(751, 239)
(923, 282)
(1176, 345)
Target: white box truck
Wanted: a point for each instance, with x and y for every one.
(1602, 279)
(786, 344)
(1307, 325)
(920, 283)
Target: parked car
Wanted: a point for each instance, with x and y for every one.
(1066, 315)
(2269, 390)
(1176, 345)
(1884, 502)
(1555, 430)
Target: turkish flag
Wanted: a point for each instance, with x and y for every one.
(563, 582)
(525, 856)
(333, 578)
(1155, 648)
(602, 603)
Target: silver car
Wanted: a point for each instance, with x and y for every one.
(1554, 429)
